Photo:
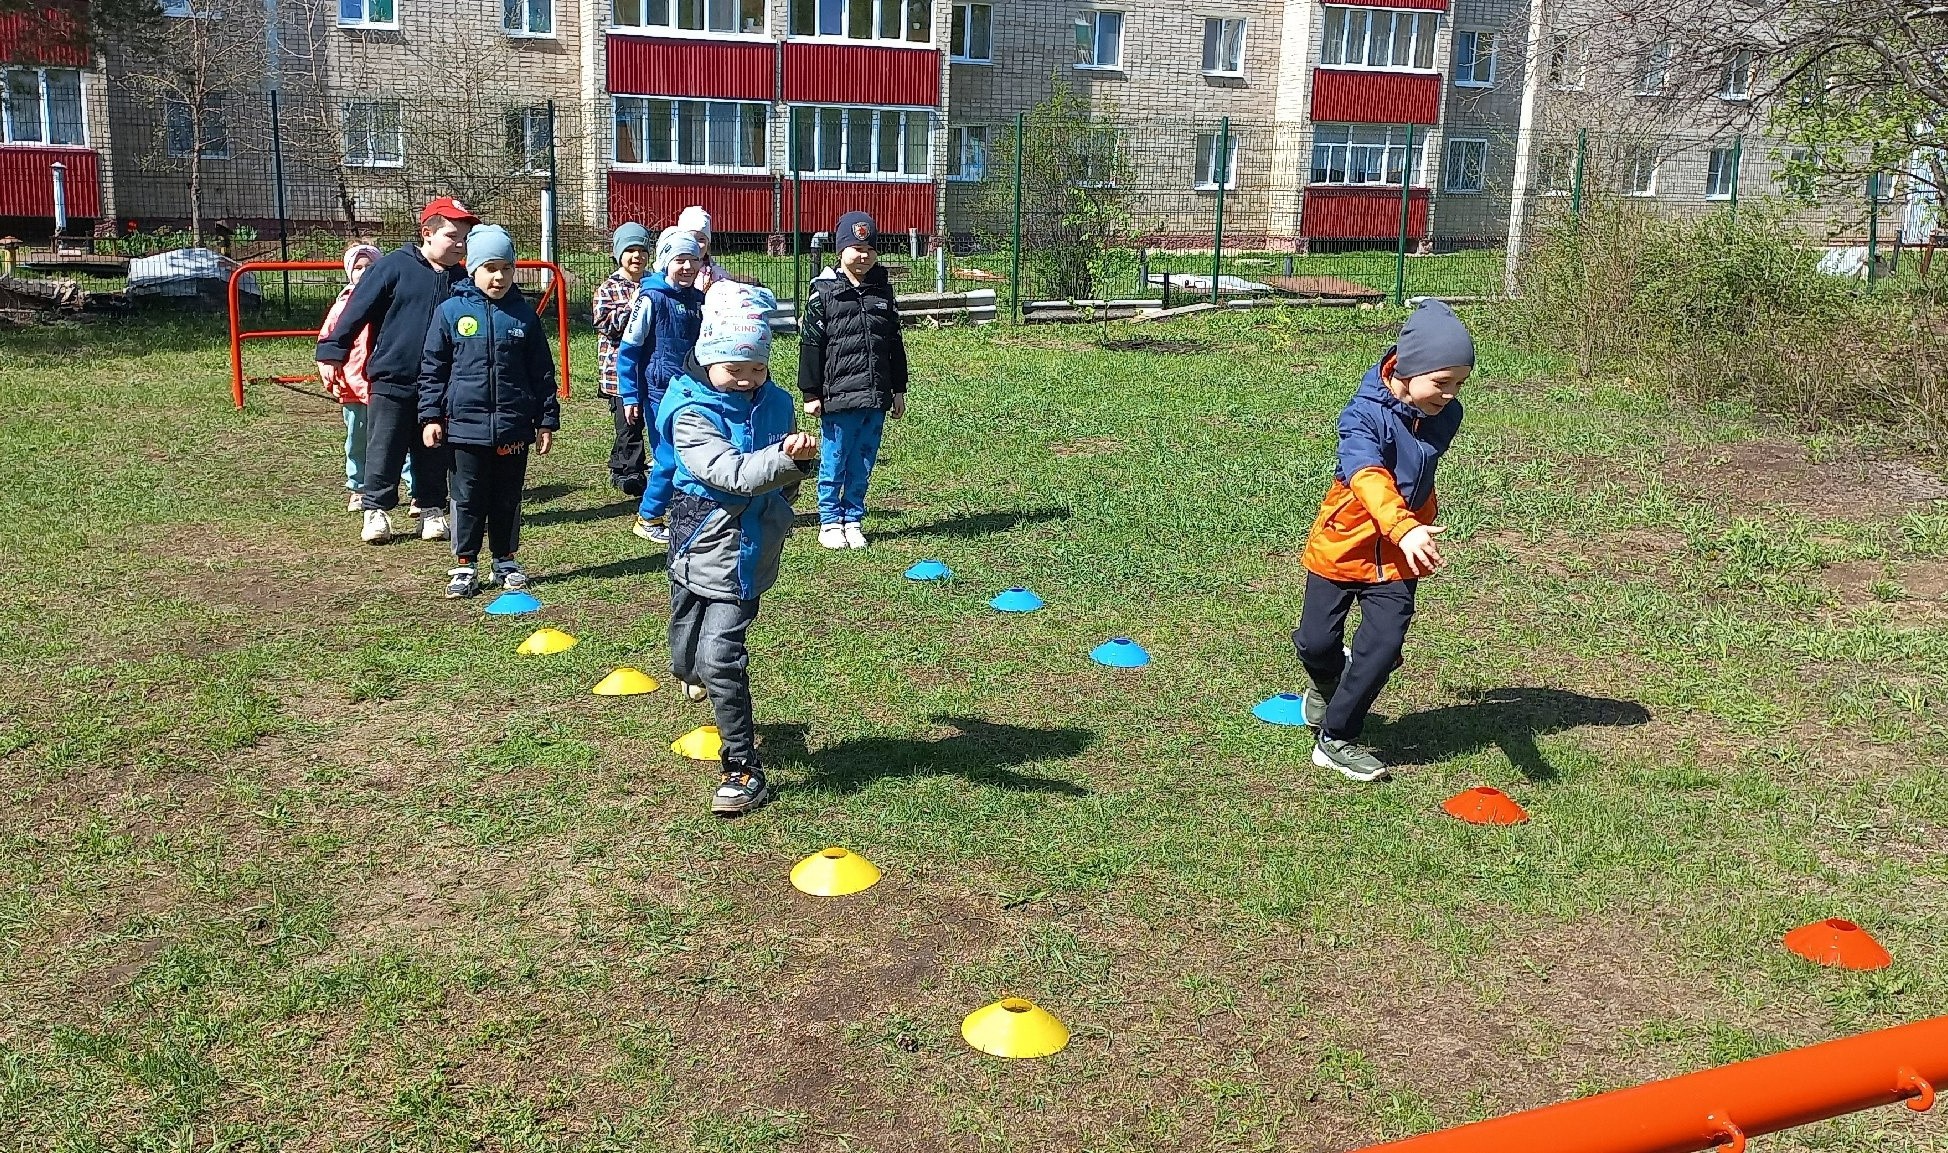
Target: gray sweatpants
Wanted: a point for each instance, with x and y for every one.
(707, 647)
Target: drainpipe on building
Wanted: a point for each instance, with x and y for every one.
(60, 172)
(1534, 71)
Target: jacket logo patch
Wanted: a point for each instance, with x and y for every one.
(468, 326)
(514, 333)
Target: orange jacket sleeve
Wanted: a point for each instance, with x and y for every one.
(1376, 490)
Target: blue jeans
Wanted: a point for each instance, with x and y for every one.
(355, 451)
(845, 467)
(660, 487)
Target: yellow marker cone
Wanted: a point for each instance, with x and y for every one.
(542, 642)
(834, 872)
(625, 682)
(704, 744)
(1015, 1028)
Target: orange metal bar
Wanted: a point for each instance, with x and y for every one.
(556, 292)
(1723, 1106)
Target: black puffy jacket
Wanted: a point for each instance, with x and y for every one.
(486, 371)
(850, 352)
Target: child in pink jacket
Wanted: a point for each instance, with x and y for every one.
(346, 383)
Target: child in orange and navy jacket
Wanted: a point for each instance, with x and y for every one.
(1374, 535)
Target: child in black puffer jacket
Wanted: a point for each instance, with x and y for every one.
(487, 388)
(852, 372)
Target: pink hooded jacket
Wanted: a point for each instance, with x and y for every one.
(346, 383)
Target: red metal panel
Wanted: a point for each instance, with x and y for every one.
(667, 66)
(55, 35)
(1335, 213)
(736, 203)
(27, 182)
(1420, 5)
(818, 73)
(895, 205)
(1354, 96)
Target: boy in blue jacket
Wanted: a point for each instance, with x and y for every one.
(662, 330)
(738, 461)
(487, 389)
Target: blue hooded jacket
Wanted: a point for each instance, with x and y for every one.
(662, 332)
(486, 370)
(734, 485)
(1379, 430)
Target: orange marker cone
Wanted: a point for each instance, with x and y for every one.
(1838, 942)
(1486, 805)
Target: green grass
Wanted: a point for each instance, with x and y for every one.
(297, 855)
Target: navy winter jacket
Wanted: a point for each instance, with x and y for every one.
(487, 371)
(396, 296)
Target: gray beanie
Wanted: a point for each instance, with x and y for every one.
(1432, 339)
(487, 242)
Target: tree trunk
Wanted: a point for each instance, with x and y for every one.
(196, 188)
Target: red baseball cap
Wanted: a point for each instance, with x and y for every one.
(450, 208)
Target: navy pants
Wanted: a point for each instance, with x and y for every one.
(392, 436)
(487, 500)
(1385, 611)
(628, 471)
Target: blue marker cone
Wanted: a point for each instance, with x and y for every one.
(929, 570)
(1283, 709)
(1120, 653)
(1016, 601)
(513, 605)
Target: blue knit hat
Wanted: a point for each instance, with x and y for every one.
(630, 235)
(1432, 339)
(736, 324)
(856, 228)
(673, 243)
(487, 242)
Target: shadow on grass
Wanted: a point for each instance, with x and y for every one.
(1509, 719)
(981, 751)
(647, 564)
(614, 510)
(543, 493)
(977, 524)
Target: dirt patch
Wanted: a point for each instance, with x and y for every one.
(1161, 345)
(1914, 592)
(1779, 472)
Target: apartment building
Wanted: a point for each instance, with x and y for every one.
(53, 124)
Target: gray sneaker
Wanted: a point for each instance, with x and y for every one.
(1347, 759)
(509, 575)
(461, 583)
(742, 789)
(1312, 706)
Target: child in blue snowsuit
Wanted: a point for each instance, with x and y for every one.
(738, 461)
(487, 390)
(662, 330)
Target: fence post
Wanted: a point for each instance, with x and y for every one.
(550, 222)
(1738, 155)
(1406, 188)
(1873, 225)
(1014, 257)
(1576, 181)
(797, 223)
(277, 172)
(1219, 165)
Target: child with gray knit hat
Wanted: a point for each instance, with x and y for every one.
(1374, 537)
(615, 300)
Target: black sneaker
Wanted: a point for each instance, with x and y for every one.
(742, 789)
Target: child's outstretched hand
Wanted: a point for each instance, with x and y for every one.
(543, 441)
(1423, 555)
(433, 435)
(814, 407)
(801, 446)
(899, 407)
(632, 413)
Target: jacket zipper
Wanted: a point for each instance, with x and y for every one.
(493, 378)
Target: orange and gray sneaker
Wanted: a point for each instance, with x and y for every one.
(742, 789)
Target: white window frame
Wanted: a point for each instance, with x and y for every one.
(372, 159)
(1393, 143)
(1655, 60)
(1633, 160)
(1216, 49)
(1568, 62)
(670, 27)
(959, 139)
(533, 153)
(1450, 165)
(701, 113)
(1737, 82)
(365, 9)
(46, 108)
(844, 35)
(819, 116)
(1204, 173)
(173, 108)
(1475, 79)
(526, 11)
(1088, 27)
(963, 17)
(1424, 29)
(1720, 169)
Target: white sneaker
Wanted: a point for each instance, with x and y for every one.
(696, 692)
(378, 527)
(354, 502)
(832, 536)
(432, 526)
(854, 538)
